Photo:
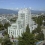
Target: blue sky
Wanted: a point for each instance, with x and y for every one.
(15, 4)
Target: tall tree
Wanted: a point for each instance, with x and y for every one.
(37, 30)
(26, 39)
(39, 33)
(38, 20)
(40, 36)
(1, 27)
(6, 25)
(6, 41)
(27, 29)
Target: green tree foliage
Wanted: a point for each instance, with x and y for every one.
(1, 27)
(27, 39)
(40, 36)
(34, 18)
(37, 30)
(13, 19)
(34, 31)
(27, 29)
(6, 41)
(0, 40)
(39, 20)
(5, 33)
(6, 25)
(44, 23)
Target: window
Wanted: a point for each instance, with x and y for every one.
(32, 27)
(15, 26)
(34, 24)
(17, 32)
(13, 32)
(22, 16)
(9, 31)
(21, 32)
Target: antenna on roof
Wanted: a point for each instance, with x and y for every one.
(24, 5)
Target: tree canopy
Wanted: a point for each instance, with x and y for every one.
(39, 20)
(40, 36)
(6, 25)
(6, 41)
(27, 29)
(1, 27)
(27, 38)
(37, 30)
(39, 33)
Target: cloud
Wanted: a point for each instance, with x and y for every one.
(16, 8)
(30, 7)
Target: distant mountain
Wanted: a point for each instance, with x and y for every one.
(37, 12)
(7, 11)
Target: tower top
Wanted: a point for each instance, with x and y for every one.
(24, 5)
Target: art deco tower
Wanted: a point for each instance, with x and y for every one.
(25, 15)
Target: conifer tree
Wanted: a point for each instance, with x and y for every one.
(27, 29)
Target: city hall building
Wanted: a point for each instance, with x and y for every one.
(24, 19)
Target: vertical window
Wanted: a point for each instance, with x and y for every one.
(21, 32)
(32, 27)
(13, 32)
(9, 31)
(17, 32)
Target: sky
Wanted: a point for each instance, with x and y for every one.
(17, 4)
